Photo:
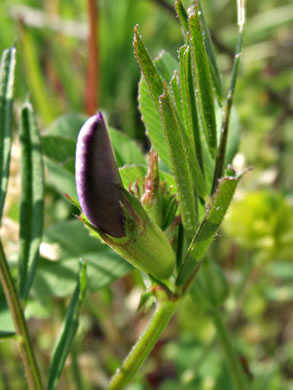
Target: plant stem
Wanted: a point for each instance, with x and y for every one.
(144, 345)
(27, 353)
(232, 359)
(220, 161)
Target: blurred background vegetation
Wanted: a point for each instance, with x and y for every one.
(75, 57)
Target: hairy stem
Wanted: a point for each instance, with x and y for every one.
(144, 345)
(26, 350)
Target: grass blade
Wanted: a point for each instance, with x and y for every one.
(68, 332)
(204, 82)
(7, 76)
(207, 230)
(32, 198)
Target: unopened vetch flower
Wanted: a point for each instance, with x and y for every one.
(114, 213)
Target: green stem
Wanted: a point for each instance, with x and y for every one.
(232, 359)
(220, 161)
(144, 345)
(27, 353)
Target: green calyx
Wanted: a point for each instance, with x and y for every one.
(144, 245)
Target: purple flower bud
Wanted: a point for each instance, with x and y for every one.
(98, 180)
(115, 214)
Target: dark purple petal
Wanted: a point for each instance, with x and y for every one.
(97, 177)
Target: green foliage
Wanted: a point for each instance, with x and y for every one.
(204, 83)
(32, 199)
(215, 213)
(69, 241)
(7, 75)
(70, 327)
(246, 275)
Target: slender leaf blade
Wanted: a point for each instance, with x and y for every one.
(208, 228)
(182, 14)
(192, 115)
(152, 120)
(7, 77)
(204, 83)
(183, 89)
(215, 74)
(148, 68)
(68, 332)
(32, 198)
(177, 95)
(180, 164)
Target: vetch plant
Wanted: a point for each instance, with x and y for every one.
(185, 103)
(163, 231)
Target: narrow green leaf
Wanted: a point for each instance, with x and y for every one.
(196, 174)
(154, 82)
(181, 169)
(32, 198)
(207, 229)
(192, 119)
(165, 64)
(152, 121)
(177, 95)
(148, 68)
(183, 90)
(215, 74)
(182, 14)
(150, 88)
(204, 83)
(68, 332)
(7, 76)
